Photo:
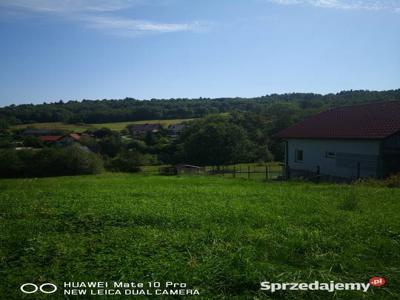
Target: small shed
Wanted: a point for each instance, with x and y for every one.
(188, 169)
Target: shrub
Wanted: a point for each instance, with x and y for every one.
(77, 160)
(10, 163)
(71, 160)
(393, 181)
(128, 161)
(32, 141)
(6, 142)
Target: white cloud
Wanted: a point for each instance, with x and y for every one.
(130, 27)
(71, 5)
(102, 15)
(390, 5)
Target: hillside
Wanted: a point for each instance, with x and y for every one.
(129, 109)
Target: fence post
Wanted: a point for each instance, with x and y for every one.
(266, 172)
(248, 172)
(234, 172)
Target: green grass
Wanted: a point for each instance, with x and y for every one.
(122, 125)
(80, 128)
(55, 126)
(222, 236)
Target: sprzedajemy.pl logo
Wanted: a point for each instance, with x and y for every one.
(322, 286)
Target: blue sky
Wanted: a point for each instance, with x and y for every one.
(96, 49)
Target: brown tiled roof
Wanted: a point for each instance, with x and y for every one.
(75, 136)
(367, 121)
(50, 138)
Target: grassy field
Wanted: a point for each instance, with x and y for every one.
(83, 127)
(222, 236)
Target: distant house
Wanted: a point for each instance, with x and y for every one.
(75, 136)
(60, 139)
(143, 129)
(50, 138)
(175, 129)
(346, 142)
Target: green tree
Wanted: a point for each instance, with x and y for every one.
(216, 141)
(32, 141)
(127, 161)
(110, 145)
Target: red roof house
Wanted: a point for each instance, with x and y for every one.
(75, 136)
(366, 121)
(346, 142)
(50, 138)
(72, 137)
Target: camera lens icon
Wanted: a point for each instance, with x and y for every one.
(45, 288)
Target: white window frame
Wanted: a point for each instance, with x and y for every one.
(296, 151)
(330, 154)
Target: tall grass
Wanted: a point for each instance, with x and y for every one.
(221, 236)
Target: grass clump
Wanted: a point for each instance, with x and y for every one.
(350, 202)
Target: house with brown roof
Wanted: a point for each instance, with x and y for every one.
(143, 129)
(50, 138)
(60, 139)
(346, 142)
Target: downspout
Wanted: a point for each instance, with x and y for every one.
(380, 172)
(287, 171)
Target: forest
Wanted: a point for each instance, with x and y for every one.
(129, 109)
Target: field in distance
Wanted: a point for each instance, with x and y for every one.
(83, 127)
(222, 236)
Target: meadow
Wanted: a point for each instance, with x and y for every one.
(118, 126)
(220, 235)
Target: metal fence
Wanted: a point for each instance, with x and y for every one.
(251, 172)
(261, 172)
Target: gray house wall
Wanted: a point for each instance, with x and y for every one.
(392, 142)
(391, 155)
(352, 158)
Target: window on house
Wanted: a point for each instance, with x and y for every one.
(298, 155)
(329, 154)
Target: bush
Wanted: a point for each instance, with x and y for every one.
(11, 164)
(32, 141)
(128, 161)
(393, 181)
(6, 142)
(71, 160)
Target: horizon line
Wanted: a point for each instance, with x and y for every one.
(196, 98)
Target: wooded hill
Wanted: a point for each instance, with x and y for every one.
(129, 109)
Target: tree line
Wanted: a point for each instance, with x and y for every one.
(129, 109)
